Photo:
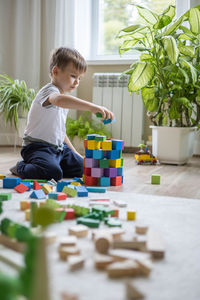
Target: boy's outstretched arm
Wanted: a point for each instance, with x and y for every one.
(68, 101)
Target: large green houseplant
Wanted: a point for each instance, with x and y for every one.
(15, 99)
(167, 71)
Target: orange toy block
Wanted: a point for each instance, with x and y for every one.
(36, 185)
(21, 188)
(61, 196)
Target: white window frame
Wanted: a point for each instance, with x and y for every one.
(94, 59)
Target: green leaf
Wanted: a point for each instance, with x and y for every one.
(166, 17)
(131, 28)
(187, 79)
(171, 48)
(192, 69)
(187, 50)
(194, 20)
(149, 16)
(145, 56)
(141, 76)
(186, 30)
(174, 26)
(150, 101)
(184, 36)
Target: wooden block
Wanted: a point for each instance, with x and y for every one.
(12, 243)
(131, 215)
(145, 265)
(124, 268)
(24, 205)
(47, 188)
(155, 244)
(27, 214)
(102, 261)
(116, 232)
(119, 203)
(68, 241)
(123, 254)
(141, 228)
(2, 176)
(136, 244)
(75, 262)
(103, 241)
(78, 230)
(64, 252)
(50, 237)
(132, 293)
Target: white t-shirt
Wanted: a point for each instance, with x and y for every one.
(45, 123)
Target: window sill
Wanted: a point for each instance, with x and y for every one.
(111, 61)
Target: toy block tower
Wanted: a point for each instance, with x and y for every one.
(103, 162)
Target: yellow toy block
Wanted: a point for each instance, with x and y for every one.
(93, 145)
(106, 145)
(115, 163)
(131, 215)
(47, 188)
(2, 176)
(84, 178)
(27, 214)
(24, 205)
(75, 183)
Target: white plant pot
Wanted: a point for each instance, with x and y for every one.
(173, 145)
(78, 145)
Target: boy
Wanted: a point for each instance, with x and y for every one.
(47, 152)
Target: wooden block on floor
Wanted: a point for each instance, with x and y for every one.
(123, 254)
(24, 205)
(141, 228)
(155, 244)
(136, 244)
(145, 265)
(50, 237)
(68, 241)
(79, 230)
(116, 232)
(64, 252)
(27, 214)
(132, 293)
(103, 241)
(124, 268)
(12, 243)
(75, 262)
(102, 261)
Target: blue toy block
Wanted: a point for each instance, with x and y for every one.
(53, 196)
(11, 182)
(88, 153)
(91, 136)
(94, 189)
(38, 194)
(98, 154)
(81, 191)
(120, 171)
(113, 154)
(61, 185)
(29, 185)
(117, 144)
(77, 179)
(104, 181)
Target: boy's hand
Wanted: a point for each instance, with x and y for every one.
(106, 113)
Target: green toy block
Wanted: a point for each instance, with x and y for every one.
(88, 222)
(31, 180)
(120, 155)
(106, 211)
(23, 234)
(5, 223)
(104, 163)
(33, 208)
(113, 222)
(122, 162)
(1, 209)
(100, 138)
(5, 196)
(52, 203)
(69, 191)
(12, 228)
(155, 179)
(95, 216)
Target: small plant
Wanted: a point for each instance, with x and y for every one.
(85, 125)
(168, 70)
(15, 99)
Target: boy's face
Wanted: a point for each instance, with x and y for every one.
(67, 79)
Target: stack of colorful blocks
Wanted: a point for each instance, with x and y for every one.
(103, 162)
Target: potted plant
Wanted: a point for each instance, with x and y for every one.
(15, 101)
(167, 74)
(77, 130)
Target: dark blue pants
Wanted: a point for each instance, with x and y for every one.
(43, 161)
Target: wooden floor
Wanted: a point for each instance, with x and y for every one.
(176, 181)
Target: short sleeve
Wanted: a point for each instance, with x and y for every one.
(45, 92)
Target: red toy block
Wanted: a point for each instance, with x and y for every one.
(36, 185)
(87, 171)
(116, 180)
(21, 188)
(61, 196)
(85, 143)
(69, 214)
(116, 213)
(91, 181)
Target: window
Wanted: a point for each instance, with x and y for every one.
(110, 16)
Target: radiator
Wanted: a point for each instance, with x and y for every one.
(113, 93)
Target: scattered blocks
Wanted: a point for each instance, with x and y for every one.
(36, 185)
(92, 189)
(82, 191)
(124, 268)
(70, 214)
(11, 182)
(47, 188)
(64, 252)
(38, 194)
(75, 262)
(113, 222)
(131, 215)
(155, 179)
(24, 205)
(57, 196)
(141, 228)
(2, 176)
(5, 196)
(88, 222)
(70, 192)
(103, 242)
(21, 188)
(79, 230)
(68, 241)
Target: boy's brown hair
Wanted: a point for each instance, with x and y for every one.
(62, 56)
